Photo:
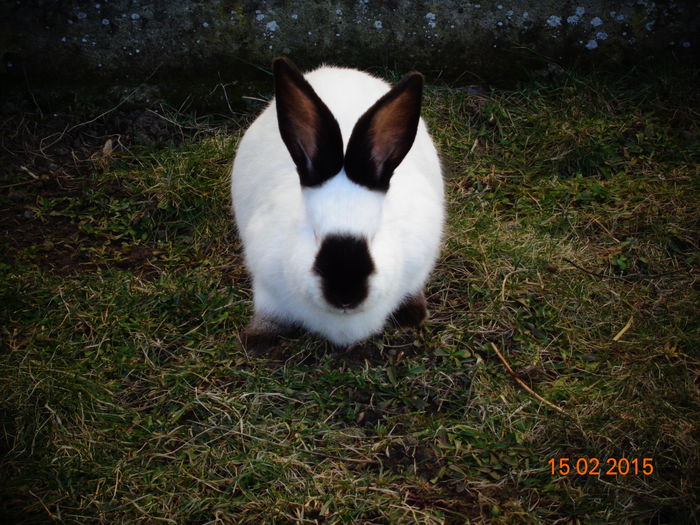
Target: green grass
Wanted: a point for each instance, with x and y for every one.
(572, 213)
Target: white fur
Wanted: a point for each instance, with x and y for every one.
(282, 226)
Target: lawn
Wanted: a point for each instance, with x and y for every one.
(570, 266)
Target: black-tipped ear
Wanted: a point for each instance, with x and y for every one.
(384, 134)
(306, 125)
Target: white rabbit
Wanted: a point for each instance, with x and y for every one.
(337, 240)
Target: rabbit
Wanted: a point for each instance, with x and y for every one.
(338, 198)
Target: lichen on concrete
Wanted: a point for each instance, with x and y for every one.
(132, 39)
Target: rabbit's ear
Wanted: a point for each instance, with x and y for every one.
(307, 126)
(384, 134)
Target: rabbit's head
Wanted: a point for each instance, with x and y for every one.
(344, 189)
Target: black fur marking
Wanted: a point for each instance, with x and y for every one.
(307, 126)
(344, 264)
(384, 135)
(411, 312)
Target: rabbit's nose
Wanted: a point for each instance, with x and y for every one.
(349, 306)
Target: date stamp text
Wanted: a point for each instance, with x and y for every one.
(597, 467)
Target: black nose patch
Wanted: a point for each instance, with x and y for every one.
(344, 264)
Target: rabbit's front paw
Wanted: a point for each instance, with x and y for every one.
(261, 336)
(411, 312)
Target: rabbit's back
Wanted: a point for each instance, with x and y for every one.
(348, 93)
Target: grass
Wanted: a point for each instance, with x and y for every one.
(572, 246)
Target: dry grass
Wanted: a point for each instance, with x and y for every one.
(572, 246)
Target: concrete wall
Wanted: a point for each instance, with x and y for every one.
(127, 40)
